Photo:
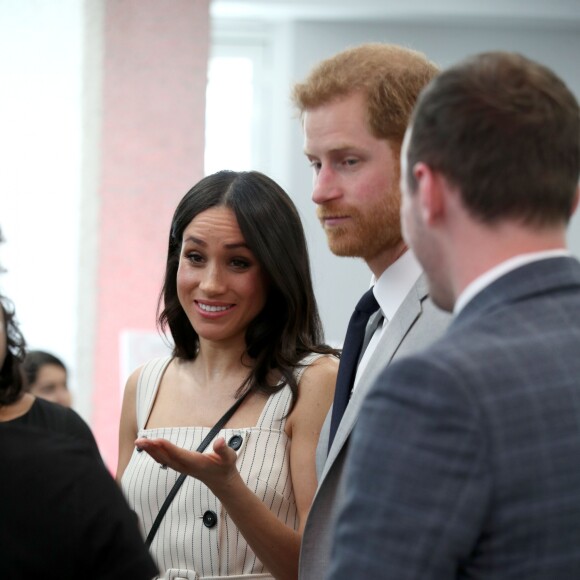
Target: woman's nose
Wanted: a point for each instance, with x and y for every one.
(212, 281)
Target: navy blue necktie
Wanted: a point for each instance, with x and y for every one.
(349, 359)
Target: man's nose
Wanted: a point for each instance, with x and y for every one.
(326, 187)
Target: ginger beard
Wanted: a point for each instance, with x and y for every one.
(371, 229)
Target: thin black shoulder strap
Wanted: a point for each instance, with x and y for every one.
(214, 431)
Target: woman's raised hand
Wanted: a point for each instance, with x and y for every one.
(215, 468)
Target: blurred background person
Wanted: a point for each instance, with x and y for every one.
(47, 377)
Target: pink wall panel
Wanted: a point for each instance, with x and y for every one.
(153, 107)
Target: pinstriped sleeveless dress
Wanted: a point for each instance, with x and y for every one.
(196, 538)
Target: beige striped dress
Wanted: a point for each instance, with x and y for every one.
(197, 539)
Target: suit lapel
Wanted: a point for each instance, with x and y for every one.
(394, 334)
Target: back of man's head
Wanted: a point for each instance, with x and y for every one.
(505, 131)
(390, 76)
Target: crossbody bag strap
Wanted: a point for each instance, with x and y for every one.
(207, 439)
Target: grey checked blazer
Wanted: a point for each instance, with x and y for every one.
(465, 461)
(414, 326)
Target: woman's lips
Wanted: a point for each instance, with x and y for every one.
(213, 310)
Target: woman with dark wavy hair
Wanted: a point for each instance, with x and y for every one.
(239, 304)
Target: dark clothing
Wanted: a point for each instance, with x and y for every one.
(58, 419)
(61, 513)
(465, 462)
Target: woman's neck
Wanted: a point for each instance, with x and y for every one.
(219, 364)
(20, 407)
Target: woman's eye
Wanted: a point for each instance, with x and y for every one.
(194, 257)
(350, 161)
(240, 264)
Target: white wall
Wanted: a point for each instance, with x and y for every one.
(40, 177)
(341, 281)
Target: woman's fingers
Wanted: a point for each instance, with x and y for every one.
(204, 466)
(227, 455)
(168, 454)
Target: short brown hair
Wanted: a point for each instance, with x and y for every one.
(504, 130)
(390, 76)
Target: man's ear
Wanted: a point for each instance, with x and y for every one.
(430, 193)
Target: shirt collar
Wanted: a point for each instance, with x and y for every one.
(395, 283)
(487, 278)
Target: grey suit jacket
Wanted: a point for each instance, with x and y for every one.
(415, 325)
(465, 461)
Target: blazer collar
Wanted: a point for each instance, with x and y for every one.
(531, 279)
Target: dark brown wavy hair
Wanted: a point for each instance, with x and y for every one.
(12, 380)
(289, 325)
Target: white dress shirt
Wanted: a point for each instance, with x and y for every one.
(390, 290)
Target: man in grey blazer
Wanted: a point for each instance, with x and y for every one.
(354, 108)
(465, 461)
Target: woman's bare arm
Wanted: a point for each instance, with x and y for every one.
(128, 424)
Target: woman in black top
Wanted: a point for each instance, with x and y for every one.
(62, 514)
